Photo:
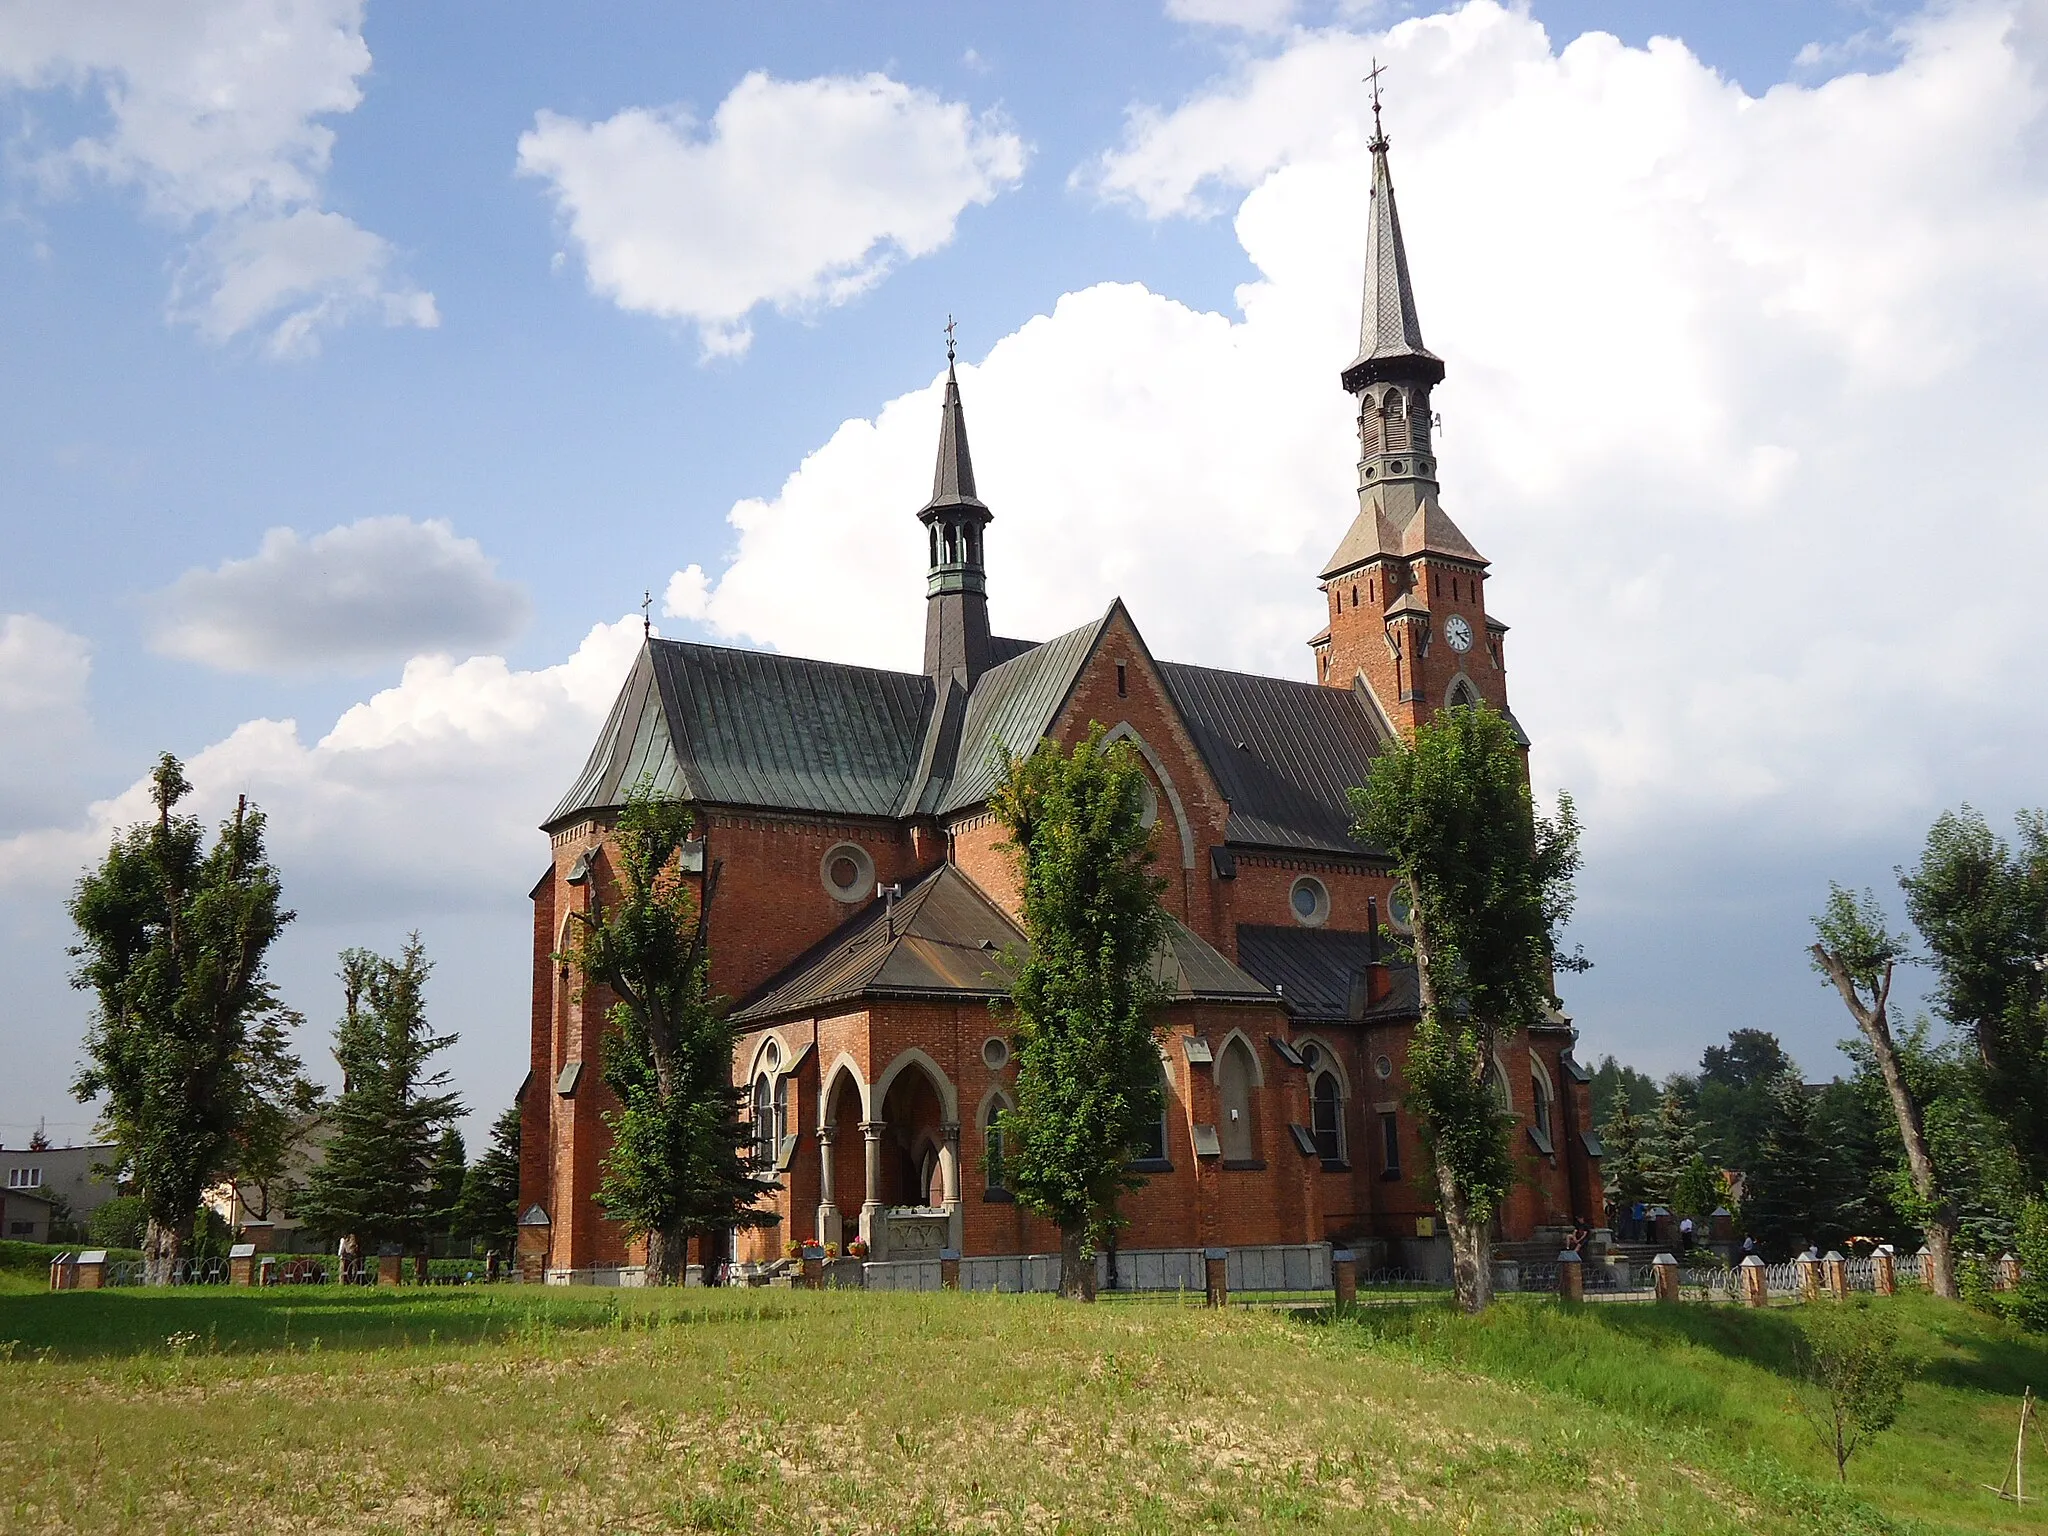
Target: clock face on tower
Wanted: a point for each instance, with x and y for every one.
(1458, 633)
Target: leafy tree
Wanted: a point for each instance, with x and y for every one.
(1981, 907)
(680, 1159)
(1857, 1127)
(1086, 996)
(1621, 1139)
(1490, 884)
(489, 1209)
(187, 1042)
(375, 1183)
(119, 1222)
(450, 1169)
(1855, 1377)
(1697, 1188)
(1612, 1082)
(1732, 1102)
(1856, 952)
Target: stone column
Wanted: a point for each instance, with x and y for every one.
(1881, 1261)
(1756, 1285)
(872, 1228)
(828, 1186)
(949, 1184)
(1216, 1274)
(242, 1264)
(1926, 1258)
(1835, 1275)
(1571, 1277)
(1344, 1277)
(1808, 1271)
(2005, 1274)
(1665, 1269)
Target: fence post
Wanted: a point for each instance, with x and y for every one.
(1886, 1282)
(1665, 1268)
(92, 1270)
(1926, 1258)
(242, 1264)
(390, 1264)
(64, 1272)
(1571, 1277)
(1216, 1272)
(1344, 1277)
(1808, 1271)
(2005, 1274)
(1756, 1284)
(1835, 1270)
(949, 1268)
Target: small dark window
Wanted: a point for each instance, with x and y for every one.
(1120, 683)
(1390, 1143)
(1368, 591)
(844, 872)
(1327, 1114)
(1354, 595)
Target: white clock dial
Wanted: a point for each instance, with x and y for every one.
(1458, 633)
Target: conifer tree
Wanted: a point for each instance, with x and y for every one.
(1086, 997)
(1490, 883)
(187, 1041)
(1673, 1144)
(489, 1210)
(375, 1182)
(1787, 1199)
(680, 1160)
(1621, 1166)
(450, 1168)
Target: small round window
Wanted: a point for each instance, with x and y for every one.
(1310, 901)
(995, 1053)
(848, 872)
(1383, 1065)
(1311, 1056)
(771, 1057)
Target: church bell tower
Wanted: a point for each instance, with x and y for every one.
(1406, 589)
(956, 635)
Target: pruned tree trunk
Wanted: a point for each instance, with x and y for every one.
(1875, 1023)
(163, 1247)
(1077, 1269)
(1471, 1245)
(668, 1257)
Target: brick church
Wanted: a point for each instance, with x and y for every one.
(864, 904)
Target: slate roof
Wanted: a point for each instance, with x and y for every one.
(1012, 707)
(1373, 533)
(1314, 970)
(1389, 332)
(1284, 753)
(946, 939)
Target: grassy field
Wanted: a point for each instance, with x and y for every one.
(519, 1408)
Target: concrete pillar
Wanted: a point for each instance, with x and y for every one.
(1344, 1277)
(92, 1270)
(242, 1264)
(266, 1270)
(1887, 1281)
(1664, 1268)
(949, 1185)
(1808, 1271)
(1756, 1285)
(872, 1227)
(1571, 1277)
(1926, 1258)
(1835, 1275)
(390, 1266)
(813, 1277)
(1216, 1271)
(64, 1272)
(949, 1269)
(828, 1186)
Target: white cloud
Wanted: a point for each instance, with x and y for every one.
(1244, 15)
(1730, 376)
(796, 194)
(44, 674)
(373, 591)
(216, 112)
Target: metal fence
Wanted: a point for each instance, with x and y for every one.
(184, 1272)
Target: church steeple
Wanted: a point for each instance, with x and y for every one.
(956, 636)
(1389, 331)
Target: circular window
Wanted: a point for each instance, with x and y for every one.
(1310, 900)
(1399, 910)
(995, 1053)
(1396, 466)
(1311, 1056)
(848, 872)
(1383, 1065)
(771, 1057)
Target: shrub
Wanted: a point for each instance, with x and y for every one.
(118, 1223)
(1855, 1376)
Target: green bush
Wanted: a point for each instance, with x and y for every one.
(118, 1223)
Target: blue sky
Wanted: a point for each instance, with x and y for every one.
(529, 308)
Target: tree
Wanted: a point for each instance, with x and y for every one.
(375, 1183)
(1855, 1378)
(450, 1169)
(679, 1161)
(1086, 996)
(1855, 951)
(119, 1222)
(1490, 884)
(1621, 1140)
(1612, 1082)
(186, 1042)
(1732, 1102)
(1674, 1147)
(1787, 1192)
(1981, 908)
(489, 1209)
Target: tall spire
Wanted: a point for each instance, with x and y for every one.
(1389, 332)
(956, 634)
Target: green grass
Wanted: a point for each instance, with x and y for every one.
(525, 1408)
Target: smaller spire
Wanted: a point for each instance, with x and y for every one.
(953, 479)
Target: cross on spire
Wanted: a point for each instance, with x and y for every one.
(1379, 139)
(646, 614)
(949, 338)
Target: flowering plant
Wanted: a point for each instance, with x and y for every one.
(793, 1249)
(831, 1250)
(858, 1248)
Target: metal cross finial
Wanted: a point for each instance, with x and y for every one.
(646, 614)
(1373, 80)
(949, 338)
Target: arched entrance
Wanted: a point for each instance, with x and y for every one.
(913, 1163)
